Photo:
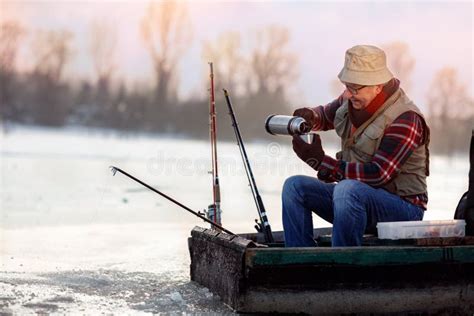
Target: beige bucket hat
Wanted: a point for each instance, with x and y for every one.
(365, 65)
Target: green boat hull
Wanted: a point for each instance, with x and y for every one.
(435, 276)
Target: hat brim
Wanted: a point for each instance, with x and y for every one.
(365, 78)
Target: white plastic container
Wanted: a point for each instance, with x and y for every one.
(421, 229)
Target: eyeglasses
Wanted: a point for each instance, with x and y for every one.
(354, 90)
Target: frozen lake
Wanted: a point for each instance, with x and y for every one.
(75, 239)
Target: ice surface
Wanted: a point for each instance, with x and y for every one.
(76, 240)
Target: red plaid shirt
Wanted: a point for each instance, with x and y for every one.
(400, 139)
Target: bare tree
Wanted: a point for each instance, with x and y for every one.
(451, 112)
(229, 64)
(272, 66)
(103, 42)
(400, 62)
(10, 34)
(102, 47)
(447, 97)
(166, 32)
(51, 52)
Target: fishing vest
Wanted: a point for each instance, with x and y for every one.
(361, 145)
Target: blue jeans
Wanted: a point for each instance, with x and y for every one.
(353, 208)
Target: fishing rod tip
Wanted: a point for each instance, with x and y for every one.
(113, 169)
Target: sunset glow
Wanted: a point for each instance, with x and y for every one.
(320, 32)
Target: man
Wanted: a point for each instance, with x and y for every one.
(380, 173)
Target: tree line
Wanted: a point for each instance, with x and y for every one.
(258, 78)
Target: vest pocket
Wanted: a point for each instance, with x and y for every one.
(367, 143)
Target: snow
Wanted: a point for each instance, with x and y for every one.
(74, 239)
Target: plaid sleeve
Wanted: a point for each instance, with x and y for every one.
(325, 115)
(400, 139)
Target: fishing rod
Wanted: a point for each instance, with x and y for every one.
(264, 225)
(214, 210)
(198, 214)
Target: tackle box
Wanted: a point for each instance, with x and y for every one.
(421, 229)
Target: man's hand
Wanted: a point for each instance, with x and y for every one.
(308, 114)
(312, 154)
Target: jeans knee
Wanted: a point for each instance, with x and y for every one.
(292, 185)
(347, 189)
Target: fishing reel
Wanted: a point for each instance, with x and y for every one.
(289, 125)
(258, 226)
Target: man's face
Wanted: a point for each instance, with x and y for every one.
(361, 96)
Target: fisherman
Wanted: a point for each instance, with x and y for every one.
(380, 173)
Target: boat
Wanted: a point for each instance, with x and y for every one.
(426, 275)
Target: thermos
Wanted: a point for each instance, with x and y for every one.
(288, 125)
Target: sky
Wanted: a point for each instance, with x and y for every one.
(439, 34)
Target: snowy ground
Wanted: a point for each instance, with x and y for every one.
(120, 269)
(75, 240)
